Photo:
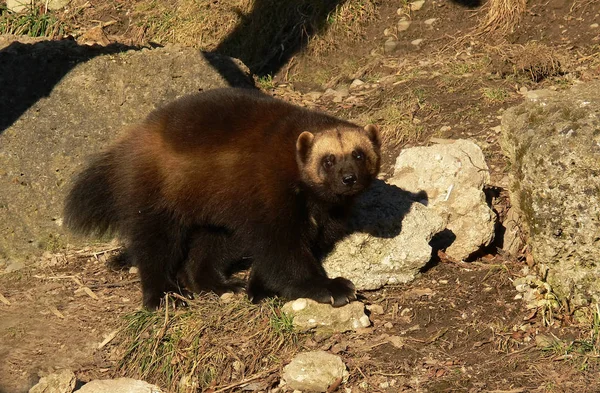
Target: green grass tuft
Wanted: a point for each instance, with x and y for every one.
(36, 22)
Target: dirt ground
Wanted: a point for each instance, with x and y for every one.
(459, 327)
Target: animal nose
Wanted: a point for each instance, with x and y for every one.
(349, 180)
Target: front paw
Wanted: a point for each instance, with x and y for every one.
(342, 291)
(338, 291)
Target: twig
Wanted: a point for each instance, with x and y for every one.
(4, 300)
(108, 338)
(114, 284)
(74, 278)
(244, 381)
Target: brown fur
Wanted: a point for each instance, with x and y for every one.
(224, 176)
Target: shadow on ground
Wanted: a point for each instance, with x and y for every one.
(267, 37)
(29, 71)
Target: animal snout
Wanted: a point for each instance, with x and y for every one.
(349, 180)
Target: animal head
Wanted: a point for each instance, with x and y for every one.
(339, 162)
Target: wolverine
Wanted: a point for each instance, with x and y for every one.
(224, 177)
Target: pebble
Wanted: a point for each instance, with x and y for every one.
(445, 128)
(403, 25)
(417, 5)
(134, 270)
(390, 45)
(417, 42)
(375, 309)
(594, 25)
(356, 83)
(430, 21)
(313, 95)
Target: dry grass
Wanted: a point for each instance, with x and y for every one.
(533, 60)
(348, 21)
(502, 16)
(400, 118)
(210, 344)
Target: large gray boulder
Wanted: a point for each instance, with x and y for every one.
(64, 102)
(390, 242)
(553, 143)
(452, 174)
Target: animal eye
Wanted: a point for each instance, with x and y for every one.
(328, 161)
(358, 155)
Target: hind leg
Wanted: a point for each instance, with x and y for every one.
(156, 248)
(213, 257)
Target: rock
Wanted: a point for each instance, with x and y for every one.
(336, 95)
(314, 371)
(60, 103)
(512, 242)
(390, 242)
(390, 45)
(375, 309)
(59, 382)
(119, 385)
(452, 175)
(594, 25)
(356, 83)
(416, 5)
(403, 25)
(54, 5)
(417, 42)
(19, 5)
(313, 95)
(308, 314)
(553, 145)
(429, 21)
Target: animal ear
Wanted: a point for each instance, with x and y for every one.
(303, 145)
(373, 133)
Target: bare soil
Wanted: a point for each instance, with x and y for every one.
(458, 327)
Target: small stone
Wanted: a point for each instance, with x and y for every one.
(388, 325)
(356, 83)
(308, 314)
(299, 304)
(60, 382)
(227, 297)
(313, 95)
(403, 25)
(417, 5)
(430, 21)
(375, 308)
(390, 45)
(119, 385)
(314, 371)
(594, 25)
(445, 128)
(19, 5)
(134, 270)
(54, 5)
(417, 42)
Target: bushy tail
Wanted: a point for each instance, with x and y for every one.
(90, 207)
